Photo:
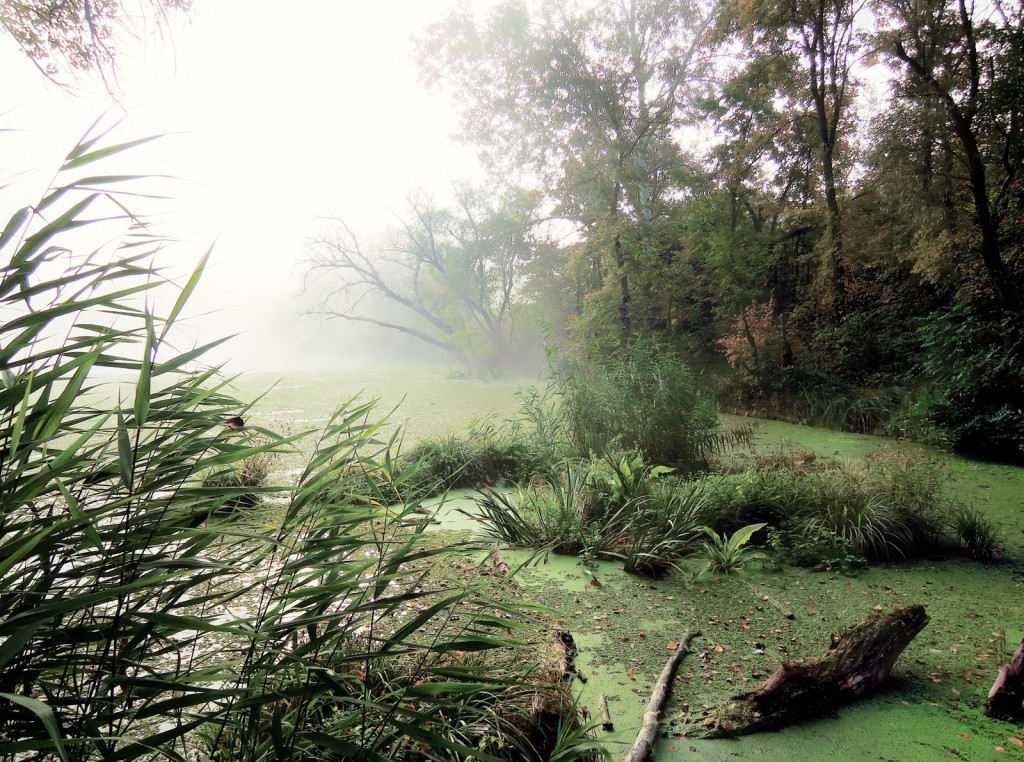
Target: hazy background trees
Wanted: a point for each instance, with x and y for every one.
(815, 199)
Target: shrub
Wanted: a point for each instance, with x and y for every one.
(816, 547)
(975, 533)
(975, 363)
(725, 554)
(640, 397)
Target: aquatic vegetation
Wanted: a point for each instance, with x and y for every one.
(725, 554)
(132, 626)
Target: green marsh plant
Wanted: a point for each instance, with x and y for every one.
(725, 554)
(133, 627)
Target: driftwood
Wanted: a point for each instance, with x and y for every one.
(498, 562)
(644, 744)
(854, 665)
(771, 601)
(606, 715)
(1006, 697)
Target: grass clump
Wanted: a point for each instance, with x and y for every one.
(617, 508)
(883, 507)
(641, 397)
(975, 533)
(241, 483)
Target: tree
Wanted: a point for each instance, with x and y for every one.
(588, 98)
(80, 34)
(456, 279)
(816, 42)
(969, 61)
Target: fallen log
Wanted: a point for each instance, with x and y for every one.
(644, 744)
(606, 715)
(1006, 697)
(561, 656)
(501, 567)
(853, 666)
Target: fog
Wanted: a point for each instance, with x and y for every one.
(270, 120)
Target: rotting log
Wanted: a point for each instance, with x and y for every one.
(606, 715)
(854, 665)
(1006, 697)
(644, 744)
(498, 562)
(563, 651)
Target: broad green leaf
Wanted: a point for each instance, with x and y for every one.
(742, 535)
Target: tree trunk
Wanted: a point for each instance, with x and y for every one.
(1006, 698)
(855, 665)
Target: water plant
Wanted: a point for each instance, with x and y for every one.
(639, 396)
(725, 554)
(975, 532)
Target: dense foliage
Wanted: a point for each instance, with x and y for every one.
(724, 184)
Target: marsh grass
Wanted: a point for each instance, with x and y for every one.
(639, 397)
(975, 533)
(131, 625)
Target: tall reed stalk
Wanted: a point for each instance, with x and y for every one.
(134, 622)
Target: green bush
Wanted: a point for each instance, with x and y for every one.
(975, 365)
(640, 397)
(816, 547)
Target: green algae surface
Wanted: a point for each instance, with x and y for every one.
(931, 709)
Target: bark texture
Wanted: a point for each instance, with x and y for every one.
(1006, 697)
(854, 665)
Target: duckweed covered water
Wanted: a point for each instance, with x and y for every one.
(930, 710)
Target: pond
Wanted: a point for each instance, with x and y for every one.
(930, 710)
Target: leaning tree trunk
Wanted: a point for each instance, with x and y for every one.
(1006, 698)
(855, 665)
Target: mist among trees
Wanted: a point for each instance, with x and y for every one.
(818, 203)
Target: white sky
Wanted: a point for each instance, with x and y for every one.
(279, 116)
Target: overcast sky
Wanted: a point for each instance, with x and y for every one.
(275, 118)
